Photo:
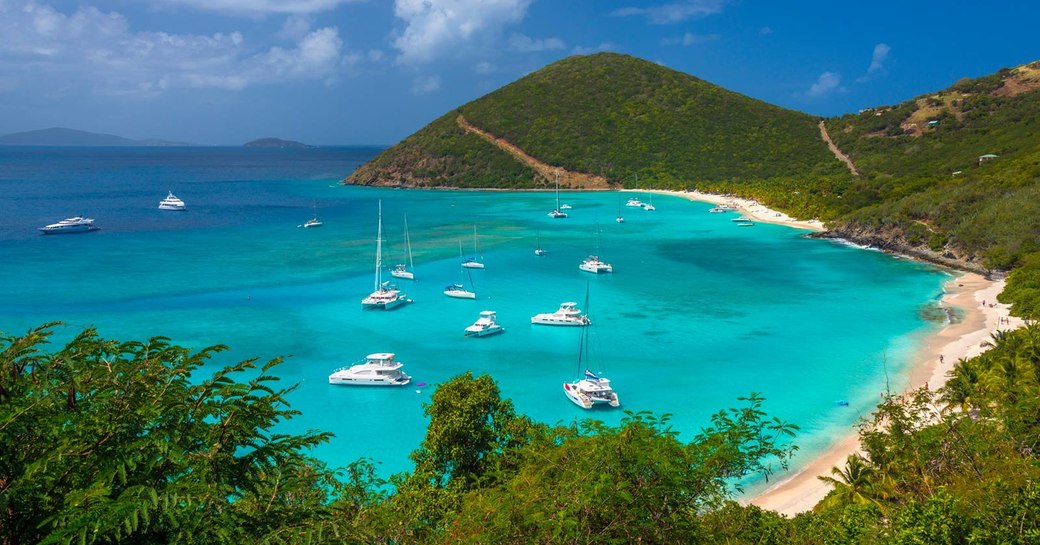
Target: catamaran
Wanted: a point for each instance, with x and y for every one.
(377, 370)
(474, 262)
(386, 296)
(401, 270)
(558, 212)
(567, 315)
(485, 325)
(590, 389)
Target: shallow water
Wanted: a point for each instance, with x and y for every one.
(698, 310)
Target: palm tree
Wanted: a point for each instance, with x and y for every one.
(855, 484)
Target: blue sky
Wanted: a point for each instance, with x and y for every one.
(372, 72)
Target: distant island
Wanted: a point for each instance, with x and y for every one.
(60, 136)
(275, 143)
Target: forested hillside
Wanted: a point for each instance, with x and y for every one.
(626, 119)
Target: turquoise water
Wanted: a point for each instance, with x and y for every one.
(698, 310)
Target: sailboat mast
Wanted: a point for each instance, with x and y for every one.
(557, 191)
(408, 243)
(379, 248)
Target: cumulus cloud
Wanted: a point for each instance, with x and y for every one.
(525, 44)
(99, 52)
(877, 60)
(826, 83)
(423, 85)
(675, 12)
(434, 28)
(605, 46)
(260, 7)
(295, 27)
(691, 39)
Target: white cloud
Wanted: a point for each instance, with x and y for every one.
(877, 60)
(484, 68)
(765, 31)
(675, 12)
(93, 51)
(582, 50)
(691, 39)
(425, 84)
(434, 28)
(827, 82)
(525, 44)
(295, 27)
(260, 7)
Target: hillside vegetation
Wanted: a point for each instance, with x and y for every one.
(122, 442)
(614, 116)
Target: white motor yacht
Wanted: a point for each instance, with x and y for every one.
(377, 370)
(76, 224)
(565, 207)
(591, 390)
(568, 314)
(485, 325)
(172, 203)
(593, 265)
(634, 202)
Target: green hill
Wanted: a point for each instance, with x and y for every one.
(612, 116)
(957, 171)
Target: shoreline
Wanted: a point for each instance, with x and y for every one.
(799, 490)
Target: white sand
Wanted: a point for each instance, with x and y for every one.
(975, 295)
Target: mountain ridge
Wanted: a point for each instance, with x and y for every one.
(62, 136)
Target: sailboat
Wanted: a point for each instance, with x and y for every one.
(386, 296)
(593, 264)
(557, 213)
(313, 222)
(649, 206)
(590, 389)
(459, 290)
(539, 251)
(619, 218)
(474, 262)
(402, 270)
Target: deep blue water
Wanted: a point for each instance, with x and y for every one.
(698, 310)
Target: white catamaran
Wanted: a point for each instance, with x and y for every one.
(386, 296)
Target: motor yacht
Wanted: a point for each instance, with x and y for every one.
(567, 315)
(485, 325)
(171, 202)
(77, 224)
(377, 370)
(592, 264)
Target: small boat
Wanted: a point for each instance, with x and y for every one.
(377, 370)
(386, 296)
(313, 222)
(743, 222)
(634, 202)
(558, 213)
(619, 218)
(566, 207)
(172, 203)
(649, 205)
(401, 269)
(589, 390)
(485, 325)
(567, 315)
(473, 262)
(719, 209)
(459, 290)
(592, 264)
(539, 251)
(76, 224)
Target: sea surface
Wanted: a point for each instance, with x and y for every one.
(697, 313)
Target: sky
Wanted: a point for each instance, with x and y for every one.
(371, 72)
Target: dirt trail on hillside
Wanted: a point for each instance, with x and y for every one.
(568, 178)
(837, 152)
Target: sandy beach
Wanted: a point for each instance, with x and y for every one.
(974, 295)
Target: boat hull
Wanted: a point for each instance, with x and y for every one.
(557, 322)
(69, 230)
(460, 294)
(473, 265)
(403, 274)
(173, 207)
(484, 332)
(368, 382)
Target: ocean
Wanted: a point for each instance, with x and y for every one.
(697, 312)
